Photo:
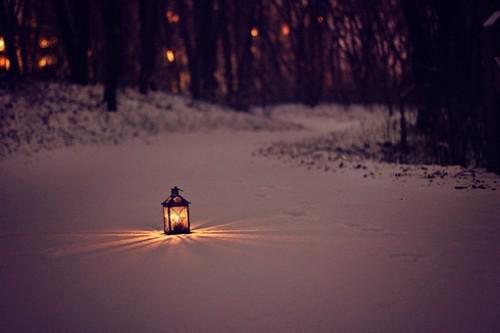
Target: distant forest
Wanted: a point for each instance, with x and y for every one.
(437, 59)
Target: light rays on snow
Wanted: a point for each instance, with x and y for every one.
(235, 233)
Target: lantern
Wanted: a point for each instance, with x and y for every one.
(176, 213)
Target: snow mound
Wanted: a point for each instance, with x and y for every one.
(365, 140)
(46, 116)
(340, 135)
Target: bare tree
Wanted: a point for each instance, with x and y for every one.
(74, 20)
(9, 10)
(111, 24)
(148, 15)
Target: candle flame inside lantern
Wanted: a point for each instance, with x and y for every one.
(178, 218)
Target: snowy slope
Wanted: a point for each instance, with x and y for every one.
(40, 116)
(276, 247)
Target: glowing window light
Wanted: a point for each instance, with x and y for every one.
(176, 213)
(44, 43)
(42, 62)
(46, 61)
(172, 17)
(170, 55)
(254, 32)
(4, 62)
(2, 44)
(285, 29)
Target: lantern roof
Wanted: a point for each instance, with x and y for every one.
(175, 199)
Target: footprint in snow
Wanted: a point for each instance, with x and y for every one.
(409, 257)
(295, 214)
(372, 229)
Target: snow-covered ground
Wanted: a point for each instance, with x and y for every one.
(276, 246)
(38, 117)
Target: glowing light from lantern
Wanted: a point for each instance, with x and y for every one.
(254, 32)
(170, 55)
(2, 44)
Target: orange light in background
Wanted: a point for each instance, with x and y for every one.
(320, 19)
(42, 62)
(285, 29)
(170, 55)
(171, 16)
(254, 32)
(44, 43)
(4, 62)
(46, 61)
(2, 44)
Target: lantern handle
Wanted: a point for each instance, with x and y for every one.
(175, 191)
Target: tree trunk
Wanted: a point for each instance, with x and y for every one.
(227, 51)
(9, 29)
(194, 71)
(245, 21)
(23, 38)
(206, 46)
(111, 23)
(148, 10)
(74, 17)
(491, 95)
(421, 61)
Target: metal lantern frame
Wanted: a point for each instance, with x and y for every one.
(173, 201)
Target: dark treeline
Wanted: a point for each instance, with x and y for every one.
(439, 58)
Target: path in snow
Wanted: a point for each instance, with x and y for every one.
(274, 247)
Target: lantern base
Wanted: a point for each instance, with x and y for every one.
(177, 232)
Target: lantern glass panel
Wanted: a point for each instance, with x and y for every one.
(179, 219)
(165, 219)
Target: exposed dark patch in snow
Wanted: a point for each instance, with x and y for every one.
(458, 177)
